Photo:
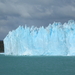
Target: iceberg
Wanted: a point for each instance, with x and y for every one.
(54, 40)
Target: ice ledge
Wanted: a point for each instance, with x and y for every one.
(54, 40)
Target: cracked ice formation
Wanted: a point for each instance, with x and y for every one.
(56, 39)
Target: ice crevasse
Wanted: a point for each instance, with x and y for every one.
(54, 40)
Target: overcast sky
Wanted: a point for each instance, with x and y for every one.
(33, 12)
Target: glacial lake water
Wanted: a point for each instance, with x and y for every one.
(37, 65)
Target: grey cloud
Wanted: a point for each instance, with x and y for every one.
(33, 12)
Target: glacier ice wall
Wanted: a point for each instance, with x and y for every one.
(56, 39)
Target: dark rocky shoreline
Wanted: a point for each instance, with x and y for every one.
(1, 47)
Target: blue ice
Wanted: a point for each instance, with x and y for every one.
(54, 40)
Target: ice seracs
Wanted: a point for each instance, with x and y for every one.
(54, 40)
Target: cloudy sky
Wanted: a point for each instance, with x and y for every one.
(33, 12)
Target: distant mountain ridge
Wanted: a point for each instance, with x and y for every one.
(1, 46)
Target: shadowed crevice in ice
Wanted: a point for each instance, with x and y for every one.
(56, 39)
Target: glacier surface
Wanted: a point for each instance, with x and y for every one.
(54, 40)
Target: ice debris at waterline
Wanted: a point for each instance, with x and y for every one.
(54, 40)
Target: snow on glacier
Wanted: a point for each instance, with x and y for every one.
(56, 39)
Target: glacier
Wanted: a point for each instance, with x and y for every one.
(54, 40)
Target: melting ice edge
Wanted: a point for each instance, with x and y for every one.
(54, 40)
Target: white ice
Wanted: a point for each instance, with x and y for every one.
(54, 40)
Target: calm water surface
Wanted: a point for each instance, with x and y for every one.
(37, 65)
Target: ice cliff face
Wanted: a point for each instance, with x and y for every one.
(56, 39)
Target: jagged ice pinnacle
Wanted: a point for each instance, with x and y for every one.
(56, 39)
